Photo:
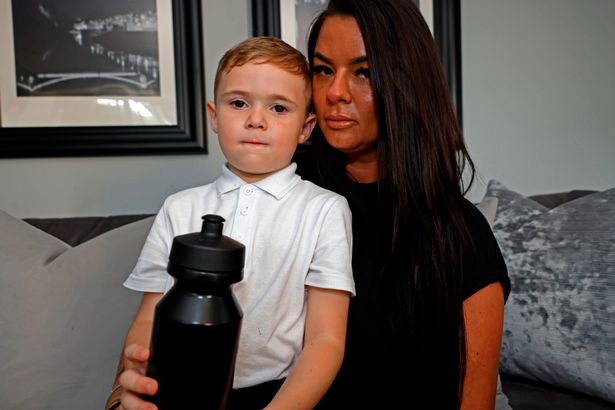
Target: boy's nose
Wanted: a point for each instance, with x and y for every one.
(256, 120)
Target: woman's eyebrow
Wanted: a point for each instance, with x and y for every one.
(356, 60)
(321, 57)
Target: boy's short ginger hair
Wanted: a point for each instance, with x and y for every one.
(264, 50)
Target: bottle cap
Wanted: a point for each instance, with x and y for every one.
(208, 255)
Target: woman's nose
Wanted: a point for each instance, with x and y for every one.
(339, 90)
(256, 119)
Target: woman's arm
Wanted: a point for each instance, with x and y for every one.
(484, 318)
(322, 354)
(133, 361)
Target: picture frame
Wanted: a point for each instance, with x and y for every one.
(290, 20)
(128, 104)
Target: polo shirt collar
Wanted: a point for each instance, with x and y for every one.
(277, 185)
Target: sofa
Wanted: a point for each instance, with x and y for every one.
(64, 313)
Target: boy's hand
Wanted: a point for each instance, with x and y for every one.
(133, 380)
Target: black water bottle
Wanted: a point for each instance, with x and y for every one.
(196, 324)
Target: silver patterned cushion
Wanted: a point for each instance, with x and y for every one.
(559, 324)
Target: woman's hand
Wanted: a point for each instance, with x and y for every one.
(135, 385)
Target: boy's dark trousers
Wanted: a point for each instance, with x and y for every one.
(254, 397)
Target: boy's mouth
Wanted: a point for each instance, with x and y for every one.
(253, 143)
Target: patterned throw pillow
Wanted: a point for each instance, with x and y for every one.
(559, 324)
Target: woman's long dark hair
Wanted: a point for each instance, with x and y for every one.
(421, 157)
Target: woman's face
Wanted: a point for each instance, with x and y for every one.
(342, 90)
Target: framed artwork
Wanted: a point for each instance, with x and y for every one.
(101, 77)
(291, 20)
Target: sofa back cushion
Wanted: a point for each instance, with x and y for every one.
(63, 314)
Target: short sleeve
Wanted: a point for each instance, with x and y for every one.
(150, 272)
(331, 265)
(485, 263)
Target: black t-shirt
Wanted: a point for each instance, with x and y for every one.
(372, 376)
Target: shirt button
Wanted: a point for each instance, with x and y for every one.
(244, 210)
(248, 190)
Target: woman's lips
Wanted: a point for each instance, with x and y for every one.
(338, 122)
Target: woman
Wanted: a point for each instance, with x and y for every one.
(425, 327)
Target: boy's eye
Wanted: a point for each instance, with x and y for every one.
(321, 69)
(279, 108)
(238, 104)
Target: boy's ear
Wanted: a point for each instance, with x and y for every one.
(211, 113)
(308, 126)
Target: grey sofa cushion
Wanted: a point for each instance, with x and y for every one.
(63, 314)
(559, 324)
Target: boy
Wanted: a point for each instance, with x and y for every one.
(297, 278)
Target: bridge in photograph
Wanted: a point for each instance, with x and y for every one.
(135, 79)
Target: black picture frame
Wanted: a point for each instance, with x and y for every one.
(446, 29)
(187, 136)
(447, 33)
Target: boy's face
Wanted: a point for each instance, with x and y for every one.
(260, 117)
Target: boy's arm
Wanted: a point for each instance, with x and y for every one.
(322, 354)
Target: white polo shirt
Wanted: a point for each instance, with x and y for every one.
(295, 233)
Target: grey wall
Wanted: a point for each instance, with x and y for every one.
(538, 90)
(120, 185)
(539, 116)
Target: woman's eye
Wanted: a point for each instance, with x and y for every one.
(321, 70)
(279, 108)
(238, 104)
(363, 72)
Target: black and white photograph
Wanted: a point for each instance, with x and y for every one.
(71, 63)
(100, 77)
(72, 47)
